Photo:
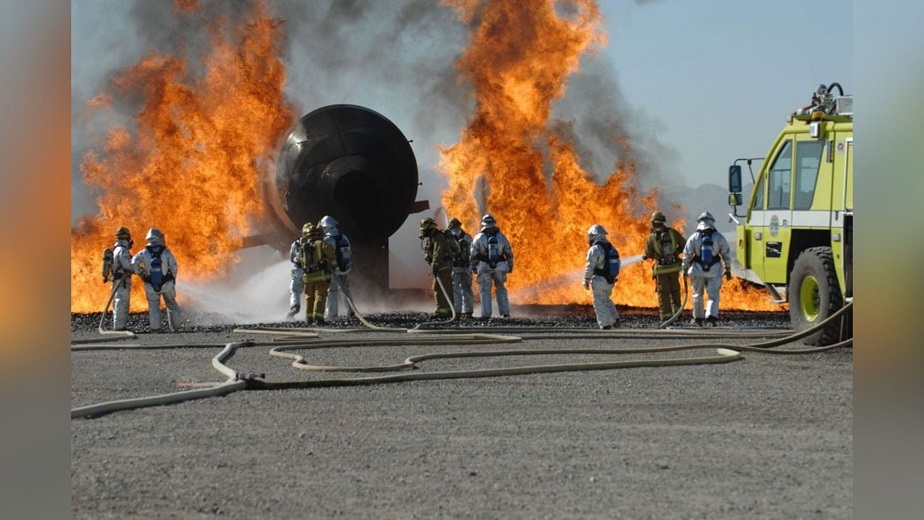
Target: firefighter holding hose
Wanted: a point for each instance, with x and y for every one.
(600, 273)
(664, 246)
(117, 263)
(439, 252)
(317, 261)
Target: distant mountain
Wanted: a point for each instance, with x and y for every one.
(712, 198)
(706, 197)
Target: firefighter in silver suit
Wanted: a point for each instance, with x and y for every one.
(492, 260)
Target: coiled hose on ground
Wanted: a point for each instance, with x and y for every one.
(242, 381)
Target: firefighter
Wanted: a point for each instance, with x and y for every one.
(461, 270)
(157, 266)
(492, 260)
(664, 246)
(600, 274)
(439, 251)
(121, 271)
(705, 254)
(296, 286)
(317, 261)
(340, 281)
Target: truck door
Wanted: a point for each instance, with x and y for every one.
(773, 243)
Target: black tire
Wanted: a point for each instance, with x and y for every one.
(814, 294)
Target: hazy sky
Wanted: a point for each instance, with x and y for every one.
(719, 77)
(697, 84)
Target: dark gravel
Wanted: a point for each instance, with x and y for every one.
(766, 437)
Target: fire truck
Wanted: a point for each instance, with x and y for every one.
(796, 233)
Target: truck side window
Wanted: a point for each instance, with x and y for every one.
(808, 161)
(759, 194)
(780, 179)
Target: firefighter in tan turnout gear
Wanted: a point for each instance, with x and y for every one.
(664, 246)
(317, 260)
(705, 257)
(439, 252)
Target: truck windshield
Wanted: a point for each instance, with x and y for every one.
(780, 178)
(808, 160)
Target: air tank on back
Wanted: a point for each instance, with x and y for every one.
(355, 165)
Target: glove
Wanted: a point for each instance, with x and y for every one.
(436, 270)
(587, 283)
(728, 275)
(509, 268)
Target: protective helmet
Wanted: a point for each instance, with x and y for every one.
(455, 223)
(308, 228)
(658, 217)
(706, 216)
(487, 220)
(123, 232)
(327, 222)
(427, 223)
(155, 237)
(595, 233)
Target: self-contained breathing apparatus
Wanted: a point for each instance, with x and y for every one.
(611, 263)
(462, 258)
(107, 264)
(706, 257)
(313, 263)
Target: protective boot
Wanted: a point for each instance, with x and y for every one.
(713, 321)
(697, 321)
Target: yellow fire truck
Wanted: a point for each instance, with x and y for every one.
(796, 235)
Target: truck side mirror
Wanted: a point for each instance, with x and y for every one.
(734, 199)
(734, 179)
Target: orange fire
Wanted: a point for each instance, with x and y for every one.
(518, 63)
(190, 163)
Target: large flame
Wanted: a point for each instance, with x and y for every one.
(190, 163)
(522, 166)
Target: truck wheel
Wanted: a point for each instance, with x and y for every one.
(814, 294)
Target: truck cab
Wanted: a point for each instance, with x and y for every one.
(796, 232)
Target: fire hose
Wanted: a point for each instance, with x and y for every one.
(686, 294)
(102, 319)
(243, 381)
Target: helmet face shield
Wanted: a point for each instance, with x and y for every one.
(595, 233)
(327, 222)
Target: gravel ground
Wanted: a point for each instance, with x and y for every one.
(769, 436)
